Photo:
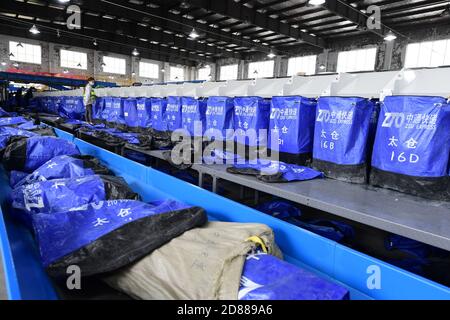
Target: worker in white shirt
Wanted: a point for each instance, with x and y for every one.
(89, 100)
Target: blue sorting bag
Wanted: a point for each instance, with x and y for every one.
(116, 115)
(251, 113)
(105, 236)
(144, 113)
(412, 146)
(57, 105)
(158, 108)
(331, 229)
(72, 108)
(11, 121)
(64, 194)
(97, 108)
(193, 115)
(173, 113)
(219, 118)
(64, 167)
(107, 108)
(130, 113)
(341, 137)
(265, 277)
(273, 171)
(292, 120)
(28, 154)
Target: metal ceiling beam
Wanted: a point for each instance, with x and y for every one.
(163, 18)
(240, 12)
(262, 6)
(18, 30)
(114, 27)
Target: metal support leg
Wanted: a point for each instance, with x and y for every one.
(214, 185)
(256, 197)
(241, 192)
(200, 180)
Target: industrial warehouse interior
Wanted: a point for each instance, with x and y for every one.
(246, 151)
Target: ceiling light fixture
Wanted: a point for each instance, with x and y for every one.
(316, 2)
(390, 36)
(322, 67)
(4, 63)
(34, 29)
(271, 55)
(135, 52)
(193, 34)
(95, 42)
(19, 45)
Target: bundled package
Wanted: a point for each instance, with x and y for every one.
(201, 264)
(292, 120)
(266, 277)
(28, 154)
(11, 121)
(62, 167)
(104, 236)
(412, 146)
(341, 137)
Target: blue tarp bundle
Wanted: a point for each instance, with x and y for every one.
(341, 137)
(158, 107)
(251, 113)
(219, 118)
(173, 113)
(412, 146)
(11, 131)
(29, 154)
(11, 121)
(273, 171)
(104, 236)
(72, 108)
(193, 115)
(62, 167)
(292, 118)
(266, 277)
